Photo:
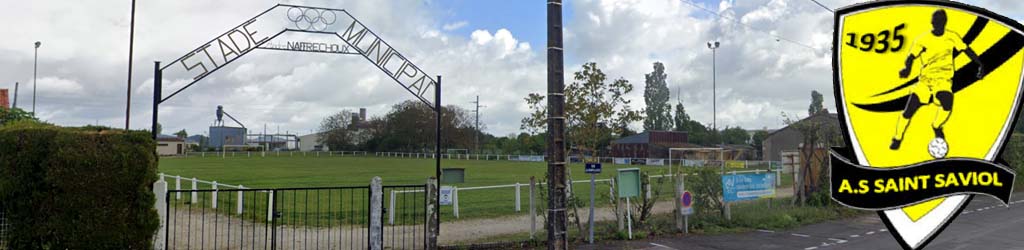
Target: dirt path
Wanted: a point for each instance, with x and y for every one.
(469, 230)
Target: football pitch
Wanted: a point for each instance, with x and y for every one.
(331, 171)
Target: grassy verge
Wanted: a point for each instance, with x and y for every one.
(747, 216)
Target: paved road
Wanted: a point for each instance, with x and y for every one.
(985, 224)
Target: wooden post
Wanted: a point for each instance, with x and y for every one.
(533, 207)
(517, 197)
(195, 183)
(160, 191)
(213, 202)
(239, 203)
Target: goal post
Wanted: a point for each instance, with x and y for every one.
(694, 154)
(456, 151)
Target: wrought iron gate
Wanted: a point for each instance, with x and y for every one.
(295, 218)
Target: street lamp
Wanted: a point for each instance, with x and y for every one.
(713, 45)
(35, 65)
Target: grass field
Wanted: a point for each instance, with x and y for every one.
(311, 171)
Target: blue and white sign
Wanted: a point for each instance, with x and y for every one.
(739, 187)
(446, 195)
(686, 203)
(592, 168)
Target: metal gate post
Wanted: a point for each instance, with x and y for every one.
(273, 222)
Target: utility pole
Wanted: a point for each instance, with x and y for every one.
(15, 104)
(35, 66)
(557, 220)
(131, 47)
(476, 139)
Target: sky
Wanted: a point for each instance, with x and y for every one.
(773, 54)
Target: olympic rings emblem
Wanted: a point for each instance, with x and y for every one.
(311, 19)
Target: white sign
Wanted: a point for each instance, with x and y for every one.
(446, 195)
(686, 210)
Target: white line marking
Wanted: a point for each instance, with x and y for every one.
(800, 235)
(870, 233)
(765, 231)
(810, 248)
(660, 245)
(838, 241)
(854, 236)
(883, 230)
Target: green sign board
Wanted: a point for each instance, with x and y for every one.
(628, 182)
(453, 175)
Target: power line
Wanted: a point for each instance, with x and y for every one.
(777, 38)
(823, 6)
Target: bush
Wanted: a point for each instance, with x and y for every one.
(706, 187)
(77, 188)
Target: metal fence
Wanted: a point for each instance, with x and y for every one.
(292, 218)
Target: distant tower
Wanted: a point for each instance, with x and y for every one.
(220, 116)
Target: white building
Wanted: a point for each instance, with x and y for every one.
(311, 142)
(169, 145)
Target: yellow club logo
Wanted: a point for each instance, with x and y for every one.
(927, 93)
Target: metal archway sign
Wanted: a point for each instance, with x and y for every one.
(311, 25)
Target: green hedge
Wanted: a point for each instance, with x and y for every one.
(77, 188)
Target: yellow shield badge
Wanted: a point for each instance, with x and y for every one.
(927, 92)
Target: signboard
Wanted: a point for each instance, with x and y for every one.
(739, 187)
(621, 161)
(453, 175)
(303, 46)
(446, 195)
(592, 168)
(350, 34)
(655, 162)
(686, 202)
(735, 164)
(628, 182)
(534, 158)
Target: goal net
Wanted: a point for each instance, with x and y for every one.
(696, 157)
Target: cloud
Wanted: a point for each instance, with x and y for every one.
(454, 26)
(83, 61)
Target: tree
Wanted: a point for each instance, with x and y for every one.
(338, 131)
(818, 135)
(735, 135)
(757, 141)
(656, 95)
(594, 109)
(15, 114)
(697, 133)
(409, 127)
(181, 134)
(816, 103)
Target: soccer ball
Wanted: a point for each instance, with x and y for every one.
(938, 148)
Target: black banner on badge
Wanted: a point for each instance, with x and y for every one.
(871, 188)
